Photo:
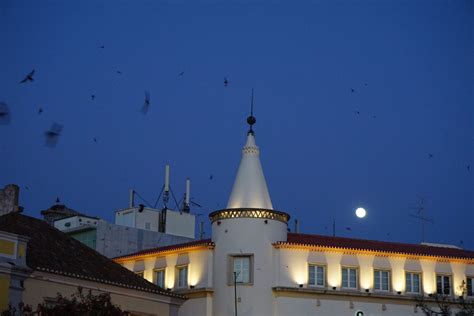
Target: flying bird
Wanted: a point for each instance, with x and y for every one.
(348, 228)
(52, 135)
(29, 77)
(119, 72)
(226, 82)
(357, 112)
(365, 84)
(211, 176)
(430, 156)
(146, 103)
(40, 110)
(4, 113)
(102, 46)
(468, 167)
(352, 90)
(374, 116)
(92, 97)
(181, 73)
(95, 140)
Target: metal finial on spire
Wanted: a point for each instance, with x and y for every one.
(251, 119)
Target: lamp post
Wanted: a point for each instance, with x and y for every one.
(235, 292)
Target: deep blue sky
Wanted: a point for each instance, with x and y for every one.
(411, 64)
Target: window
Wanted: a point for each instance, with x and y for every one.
(242, 266)
(349, 278)
(412, 282)
(160, 278)
(140, 273)
(443, 284)
(242, 269)
(381, 280)
(469, 284)
(182, 277)
(316, 275)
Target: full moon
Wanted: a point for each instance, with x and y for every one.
(360, 212)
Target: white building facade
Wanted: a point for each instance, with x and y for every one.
(281, 273)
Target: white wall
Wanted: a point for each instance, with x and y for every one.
(75, 222)
(197, 307)
(180, 223)
(247, 236)
(296, 306)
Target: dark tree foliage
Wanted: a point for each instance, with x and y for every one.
(79, 304)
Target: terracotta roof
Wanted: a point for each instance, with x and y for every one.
(374, 245)
(191, 244)
(52, 251)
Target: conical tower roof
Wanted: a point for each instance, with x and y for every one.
(250, 188)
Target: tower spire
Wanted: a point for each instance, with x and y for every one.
(250, 188)
(251, 119)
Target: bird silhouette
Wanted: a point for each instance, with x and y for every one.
(374, 116)
(181, 73)
(226, 82)
(28, 77)
(146, 103)
(211, 176)
(348, 228)
(95, 140)
(57, 200)
(102, 46)
(468, 167)
(27, 188)
(4, 113)
(52, 135)
(119, 72)
(92, 97)
(357, 112)
(365, 84)
(40, 110)
(430, 156)
(352, 90)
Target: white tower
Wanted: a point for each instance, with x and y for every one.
(243, 234)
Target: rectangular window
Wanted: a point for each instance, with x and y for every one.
(182, 277)
(412, 282)
(349, 278)
(469, 284)
(160, 278)
(381, 280)
(316, 275)
(443, 284)
(140, 273)
(242, 269)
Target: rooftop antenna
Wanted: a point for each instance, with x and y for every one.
(166, 193)
(420, 215)
(187, 196)
(251, 119)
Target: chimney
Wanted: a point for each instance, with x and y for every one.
(9, 198)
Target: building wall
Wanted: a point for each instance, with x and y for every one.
(72, 222)
(201, 306)
(45, 285)
(180, 223)
(245, 236)
(116, 240)
(302, 305)
(199, 264)
(292, 269)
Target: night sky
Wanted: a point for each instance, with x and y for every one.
(404, 132)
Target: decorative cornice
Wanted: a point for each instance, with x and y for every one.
(249, 213)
